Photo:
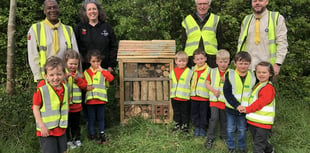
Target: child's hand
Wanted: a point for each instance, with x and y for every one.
(216, 93)
(241, 109)
(223, 78)
(89, 87)
(44, 131)
(99, 69)
(75, 76)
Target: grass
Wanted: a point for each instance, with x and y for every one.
(291, 132)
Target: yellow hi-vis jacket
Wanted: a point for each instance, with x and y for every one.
(201, 89)
(207, 33)
(53, 115)
(217, 84)
(181, 89)
(241, 91)
(267, 113)
(100, 90)
(39, 31)
(74, 90)
(273, 20)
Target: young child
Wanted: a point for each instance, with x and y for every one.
(237, 90)
(75, 81)
(180, 92)
(261, 112)
(50, 108)
(97, 97)
(200, 93)
(215, 83)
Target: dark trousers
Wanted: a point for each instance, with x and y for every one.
(95, 113)
(200, 113)
(217, 115)
(73, 130)
(181, 111)
(260, 139)
(53, 144)
(211, 61)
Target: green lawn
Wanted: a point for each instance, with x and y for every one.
(291, 133)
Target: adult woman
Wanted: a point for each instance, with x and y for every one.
(93, 32)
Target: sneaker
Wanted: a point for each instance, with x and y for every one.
(232, 150)
(197, 131)
(209, 143)
(91, 137)
(103, 139)
(71, 145)
(78, 143)
(202, 132)
(185, 128)
(176, 127)
(242, 151)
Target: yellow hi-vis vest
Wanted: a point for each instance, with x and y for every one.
(39, 31)
(74, 90)
(241, 91)
(217, 84)
(53, 115)
(267, 113)
(201, 89)
(207, 33)
(181, 89)
(100, 90)
(273, 20)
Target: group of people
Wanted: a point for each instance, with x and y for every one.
(72, 68)
(73, 65)
(205, 91)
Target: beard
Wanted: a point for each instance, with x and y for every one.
(260, 11)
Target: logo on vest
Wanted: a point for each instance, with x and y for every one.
(104, 33)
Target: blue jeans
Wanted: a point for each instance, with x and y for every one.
(95, 112)
(236, 122)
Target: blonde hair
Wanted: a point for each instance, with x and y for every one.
(222, 54)
(181, 55)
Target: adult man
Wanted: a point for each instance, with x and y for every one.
(48, 38)
(202, 30)
(264, 35)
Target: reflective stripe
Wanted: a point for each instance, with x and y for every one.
(207, 34)
(39, 30)
(241, 90)
(267, 113)
(181, 88)
(99, 91)
(52, 113)
(201, 90)
(273, 21)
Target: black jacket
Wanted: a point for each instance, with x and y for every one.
(101, 37)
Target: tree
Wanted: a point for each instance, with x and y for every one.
(11, 48)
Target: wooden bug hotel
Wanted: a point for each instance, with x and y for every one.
(144, 68)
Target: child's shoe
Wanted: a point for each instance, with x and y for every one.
(209, 144)
(71, 145)
(197, 131)
(103, 139)
(78, 143)
(91, 137)
(176, 127)
(202, 132)
(185, 128)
